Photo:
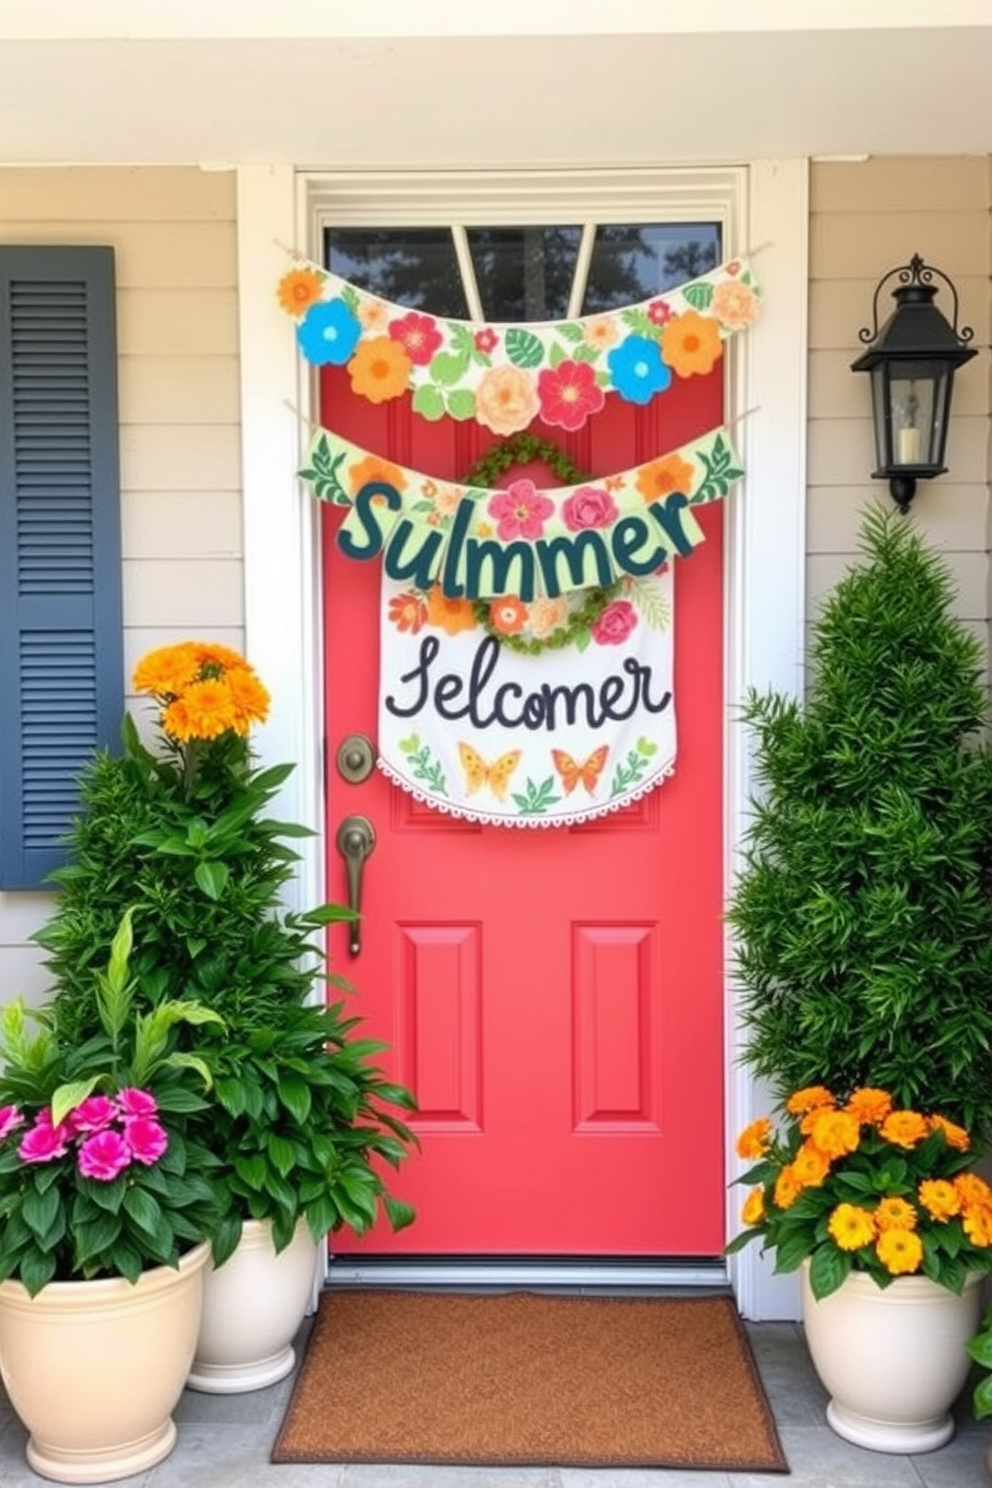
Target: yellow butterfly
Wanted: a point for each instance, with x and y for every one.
(572, 772)
(478, 773)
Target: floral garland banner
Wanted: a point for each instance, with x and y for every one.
(484, 732)
(522, 541)
(505, 376)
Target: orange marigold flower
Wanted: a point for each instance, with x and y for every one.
(810, 1098)
(753, 1211)
(977, 1224)
(249, 697)
(373, 468)
(810, 1165)
(955, 1136)
(408, 611)
(905, 1128)
(939, 1198)
(851, 1226)
(835, 1132)
(176, 721)
(690, 344)
(900, 1251)
(507, 614)
(299, 289)
(972, 1189)
(753, 1140)
(787, 1188)
(208, 709)
(659, 478)
(869, 1106)
(894, 1213)
(167, 670)
(212, 653)
(380, 369)
(447, 614)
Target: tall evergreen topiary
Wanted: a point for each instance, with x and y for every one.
(863, 912)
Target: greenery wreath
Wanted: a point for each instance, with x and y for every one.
(486, 474)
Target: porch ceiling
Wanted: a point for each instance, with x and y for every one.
(443, 101)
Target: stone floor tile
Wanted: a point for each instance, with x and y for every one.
(819, 1458)
(655, 1477)
(362, 1475)
(961, 1464)
(233, 1455)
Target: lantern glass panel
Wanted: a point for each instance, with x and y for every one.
(881, 416)
(911, 400)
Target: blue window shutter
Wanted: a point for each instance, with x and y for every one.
(61, 645)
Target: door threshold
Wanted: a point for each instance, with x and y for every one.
(581, 1274)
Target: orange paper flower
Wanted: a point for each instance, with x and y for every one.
(660, 478)
(380, 369)
(691, 345)
(374, 468)
(299, 289)
(449, 615)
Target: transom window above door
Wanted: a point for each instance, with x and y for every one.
(522, 273)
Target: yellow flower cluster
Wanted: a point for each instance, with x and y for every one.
(831, 1131)
(204, 690)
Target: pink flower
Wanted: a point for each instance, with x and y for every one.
(135, 1102)
(147, 1140)
(589, 506)
(568, 394)
(43, 1141)
(615, 623)
(520, 510)
(10, 1120)
(486, 340)
(418, 335)
(95, 1112)
(660, 312)
(103, 1156)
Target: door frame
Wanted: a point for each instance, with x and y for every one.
(764, 209)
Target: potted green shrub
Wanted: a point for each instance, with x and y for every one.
(303, 1119)
(863, 926)
(108, 1202)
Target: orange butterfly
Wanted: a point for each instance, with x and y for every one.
(572, 772)
(496, 776)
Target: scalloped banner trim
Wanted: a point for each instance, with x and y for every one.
(505, 376)
(489, 819)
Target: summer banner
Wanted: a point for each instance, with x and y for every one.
(504, 376)
(520, 540)
(473, 723)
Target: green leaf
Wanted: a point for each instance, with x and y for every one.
(698, 295)
(829, 1269)
(40, 1211)
(67, 1097)
(145, 1210)
(523, 348)
(36, 1270)
(251, 1170)
(448, 367)
(982, 1399)
(428, 401)
(281, 1154)
(294, 1092)
(400, 1213)
(460, 404)
(212, 878)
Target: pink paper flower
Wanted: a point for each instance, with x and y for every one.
(568, 394)
(10, 1120)
(588, 506)
(520, 510)
(43, 1141)
(418, 335)
(615, 623)
(92, 1114)
(104, 1155)
(135, 1102)
(146, 1139)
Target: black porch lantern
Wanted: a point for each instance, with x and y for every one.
(912, 360)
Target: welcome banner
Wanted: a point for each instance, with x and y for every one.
(520, 540)
(504, 376)
(475, 727)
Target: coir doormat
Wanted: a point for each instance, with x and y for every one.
(528, 1380)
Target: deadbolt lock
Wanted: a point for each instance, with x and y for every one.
(356, 758)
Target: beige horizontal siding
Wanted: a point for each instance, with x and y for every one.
(174, 235)
(867, 218)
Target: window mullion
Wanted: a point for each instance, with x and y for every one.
(463, 254)
(582, 263)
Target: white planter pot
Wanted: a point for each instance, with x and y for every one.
(252, 1308)
(893, 1358)
(95, 1369)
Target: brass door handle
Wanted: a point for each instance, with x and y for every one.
(355, 841)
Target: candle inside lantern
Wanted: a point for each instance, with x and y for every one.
(909, 446)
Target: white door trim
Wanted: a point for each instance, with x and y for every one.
(763, 207)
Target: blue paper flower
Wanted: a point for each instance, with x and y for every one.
(328, 332)
(637, 370)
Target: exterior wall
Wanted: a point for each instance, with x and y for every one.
(174, 231)
(866, 218)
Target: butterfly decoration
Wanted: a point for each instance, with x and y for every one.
(478, 773)
(573, 773)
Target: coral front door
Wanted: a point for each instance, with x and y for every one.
(552, 997)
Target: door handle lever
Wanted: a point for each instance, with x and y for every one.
(355, 842)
